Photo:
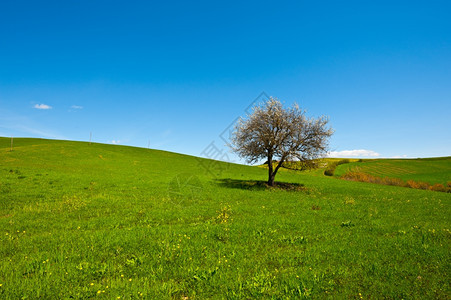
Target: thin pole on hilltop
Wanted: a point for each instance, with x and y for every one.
(90, 138)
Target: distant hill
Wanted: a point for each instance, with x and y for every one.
(430, 170)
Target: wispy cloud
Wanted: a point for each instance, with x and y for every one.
(354, 153)
(76, 107)
(115, 142)
(17, 125)
(42, 106)
(39, 133)
(27, 131)
(400, 156)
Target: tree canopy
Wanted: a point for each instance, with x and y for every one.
(280, 134)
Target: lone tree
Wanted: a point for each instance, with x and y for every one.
(280, 135)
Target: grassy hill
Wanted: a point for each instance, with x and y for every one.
(115, 222)
(430, 170)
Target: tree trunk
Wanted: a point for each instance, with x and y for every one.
(271, 180)
(271, 174)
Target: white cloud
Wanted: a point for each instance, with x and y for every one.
(76, 107)
(354, 153)
(42, 106)
(399, 156)
(115, 142)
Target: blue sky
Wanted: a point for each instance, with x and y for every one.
(176, 74)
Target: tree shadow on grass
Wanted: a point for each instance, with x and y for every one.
(259, 185)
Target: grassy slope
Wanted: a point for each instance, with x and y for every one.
(431, 170)
(79, 220)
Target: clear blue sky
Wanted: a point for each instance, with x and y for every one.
(178, 73)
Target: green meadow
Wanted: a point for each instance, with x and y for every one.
(81, 221)
(430, 170)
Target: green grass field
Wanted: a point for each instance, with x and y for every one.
(430, 170)
(82, 221)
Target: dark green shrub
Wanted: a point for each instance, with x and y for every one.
(329, 171)
(332, 166)
(343, 161)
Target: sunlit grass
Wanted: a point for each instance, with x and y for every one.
(102, 221)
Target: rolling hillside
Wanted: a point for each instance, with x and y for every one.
(430, 170)
(114, 222)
